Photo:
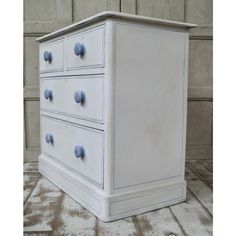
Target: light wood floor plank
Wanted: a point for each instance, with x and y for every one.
(41, 209)
(119, 227)
(200, 190)
(159, 222)
(193, 218)
(201, 171)
(75, 220)
(30, 180)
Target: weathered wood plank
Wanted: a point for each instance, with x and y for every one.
(193, 218)
(120, 227)
(42, 208)
(208, 164)
(200, 190)
(159, 222)
(46, 233)
(31, 167)
(201, 171)
(76, 219)
(30, 180)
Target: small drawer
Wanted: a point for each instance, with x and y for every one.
(80, 149)
(85, 49)
(52, 56)
(79, 96)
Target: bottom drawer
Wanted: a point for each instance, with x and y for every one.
(77, 147)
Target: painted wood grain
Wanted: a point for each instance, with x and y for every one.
(200, 190)
(192, 216)
(41, 209)
(120, 227)
(159, 222)
(30, 180)
(201, 171)
(76, 219)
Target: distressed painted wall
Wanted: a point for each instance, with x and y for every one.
(43, 16)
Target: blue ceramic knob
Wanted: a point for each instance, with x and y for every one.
(49, 138)
(80, 96)
(79, 151)
(47, 56)
(79, 49)
(48, 94)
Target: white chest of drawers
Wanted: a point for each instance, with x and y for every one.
(113, 96)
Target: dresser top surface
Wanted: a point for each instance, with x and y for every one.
(116, 15)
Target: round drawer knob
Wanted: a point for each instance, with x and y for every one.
(49, 138)
(79, 151)
(79, 49)
(47, 56)
(80, 96)
(48, 94)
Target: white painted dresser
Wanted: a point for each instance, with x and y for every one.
(113, 101)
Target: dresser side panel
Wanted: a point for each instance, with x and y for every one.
(150, 104)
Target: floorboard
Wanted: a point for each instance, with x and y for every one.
(46, 233)
(30, 181)
(208, 164)
(159, 222)
(193, 217)
(74, 219)
(50, 212)
(119, 227)
(201, 171)
(41, 209)
(200, 190)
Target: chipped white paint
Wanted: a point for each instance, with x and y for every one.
(194, 219)
(200, 190)
(119, 227)
(41, 207)
(30, 180)
(75, 220)
(160, 222)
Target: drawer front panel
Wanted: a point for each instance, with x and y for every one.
(65, 138)
(89, 47)
(52, 56)
(66, 95)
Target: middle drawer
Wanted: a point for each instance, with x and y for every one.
(77, 96)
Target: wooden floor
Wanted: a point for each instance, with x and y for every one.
(49, 211)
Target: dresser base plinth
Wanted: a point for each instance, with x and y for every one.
(111, 207)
